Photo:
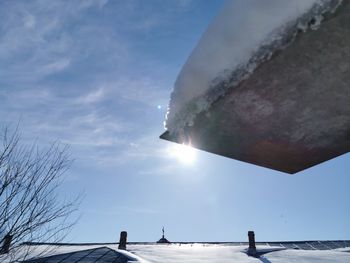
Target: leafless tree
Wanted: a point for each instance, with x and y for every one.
(30, 178)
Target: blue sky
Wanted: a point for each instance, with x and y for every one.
(97, 75)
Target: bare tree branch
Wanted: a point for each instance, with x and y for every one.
(30, 178)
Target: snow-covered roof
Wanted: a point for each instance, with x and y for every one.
(202, 253)
(303, 251)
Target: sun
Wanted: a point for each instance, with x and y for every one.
(183, 153)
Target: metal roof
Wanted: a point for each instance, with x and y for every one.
(101, 255)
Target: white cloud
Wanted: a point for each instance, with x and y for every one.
(148, 91)
(29, 21)
(55, 66)
(87, 130)
(38, 39)
(92, 97)
(101, 81)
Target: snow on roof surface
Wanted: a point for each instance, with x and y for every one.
(244, 29)
(227, 254)
(191, 253)
(71, 253)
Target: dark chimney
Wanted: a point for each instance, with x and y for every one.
(252, 247)
(122, 241)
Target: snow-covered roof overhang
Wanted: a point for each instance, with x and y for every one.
(283, 103)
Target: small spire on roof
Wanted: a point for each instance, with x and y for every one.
(163, 240)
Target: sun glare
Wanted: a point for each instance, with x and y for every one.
(184, 153)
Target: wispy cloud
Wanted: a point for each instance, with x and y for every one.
(70, 75)
(55, 66)
(91, 97)
(38, 38)
(151, 92)
(29, 21)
